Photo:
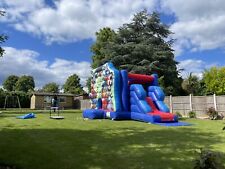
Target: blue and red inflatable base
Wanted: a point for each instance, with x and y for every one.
(101, 114)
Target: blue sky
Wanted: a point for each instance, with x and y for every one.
(51, 40)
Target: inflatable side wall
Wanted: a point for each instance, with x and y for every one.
(106, 88)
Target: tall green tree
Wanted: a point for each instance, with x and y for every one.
(72, 85)
(3, 37)
(142, 47)
(51, 87)
(192, 85)
(214, 80)
(10, 83)
(88, 84)
(25, 84)
(104, 36)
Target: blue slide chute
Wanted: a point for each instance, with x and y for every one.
(137, 97)
(157, 95)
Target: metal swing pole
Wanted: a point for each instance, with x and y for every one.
(6, 98)
(19, 103)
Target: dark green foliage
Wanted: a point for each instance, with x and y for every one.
(51, 87)
(2, 98)
(179, 115)
(10, 83)
(104, 36)
(25, 84)
(88, 84)
(140, 47)
(24, 99)
(192, 114)
(3, 37)
(73, 85)
(12, 99)
(209, 160)
(192, 85)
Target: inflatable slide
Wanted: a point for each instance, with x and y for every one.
(119, 95)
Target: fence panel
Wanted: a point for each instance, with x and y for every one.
(220, 101)
(85, 104)
(184, 104)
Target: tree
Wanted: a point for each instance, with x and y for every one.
(10, 83)
(140, 47)
(25, 84)
(192, 85)
(88, 84)
(104, 36)
(51, 87)
(3, 37)
(72, 85)
(214, 80)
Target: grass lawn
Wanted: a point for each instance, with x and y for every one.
(73, 143)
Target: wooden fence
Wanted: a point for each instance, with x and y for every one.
(198, 104)
(185, 104)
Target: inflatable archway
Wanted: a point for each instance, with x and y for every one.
(121, 95)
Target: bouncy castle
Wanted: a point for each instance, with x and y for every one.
(119, 95)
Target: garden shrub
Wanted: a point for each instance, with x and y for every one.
(209, 160)
(213, 114)
(192, 114)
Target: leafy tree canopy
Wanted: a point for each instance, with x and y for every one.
(141, 47)
(192, 85)
(10, 83)
(51, 87)
(88, 84)
(72, 85)
(25, 84)
(104, 36)
(214, 80)
(3, 37)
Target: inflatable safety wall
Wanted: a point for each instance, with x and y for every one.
(105, 88)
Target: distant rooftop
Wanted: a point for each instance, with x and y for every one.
(54, 94)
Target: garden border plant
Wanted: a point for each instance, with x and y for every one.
(192, 114)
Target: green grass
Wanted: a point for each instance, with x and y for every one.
(73, 143)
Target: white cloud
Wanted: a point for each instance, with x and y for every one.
(200, 24)
(194, 66)
(71, 20)
(20, 62)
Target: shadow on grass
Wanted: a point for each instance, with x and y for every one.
(5, 112)
(124, 148)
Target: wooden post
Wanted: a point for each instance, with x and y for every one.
(171, 104)
(190, 98)
(214, 101)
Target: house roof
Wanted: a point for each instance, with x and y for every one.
(54, 94)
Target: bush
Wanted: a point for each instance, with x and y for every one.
(179, 115)
(212, 113)
(208, 160)
(192, 114)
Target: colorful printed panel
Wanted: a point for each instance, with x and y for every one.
(105, 88)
